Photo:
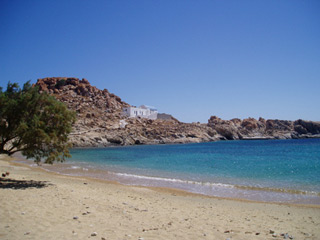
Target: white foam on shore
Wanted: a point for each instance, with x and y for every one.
(75, 167)
(257, 193)
(174, 180)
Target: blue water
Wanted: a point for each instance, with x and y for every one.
(277, 170)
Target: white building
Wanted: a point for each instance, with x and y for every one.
(142, 111)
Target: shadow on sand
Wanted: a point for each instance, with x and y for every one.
(22, 184)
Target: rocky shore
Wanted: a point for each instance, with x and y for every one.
(252, 129)
(101, 123)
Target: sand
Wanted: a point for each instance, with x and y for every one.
(36, 204)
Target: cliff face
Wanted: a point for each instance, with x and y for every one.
(100, 122)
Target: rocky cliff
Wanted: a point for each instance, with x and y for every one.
(100, 122)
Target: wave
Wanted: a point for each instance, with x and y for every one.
(174, 180)
(280, 190)
(219, 185)
(75, 167)
(256, 193)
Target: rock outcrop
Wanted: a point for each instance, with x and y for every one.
(100, 121)
(251, 128)
(80, 96)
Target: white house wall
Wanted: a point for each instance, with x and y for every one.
(153, 116)
(140, 112)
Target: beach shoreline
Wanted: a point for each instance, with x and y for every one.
(171, 190)
(268, 182)
(67, 169)
(47, 205)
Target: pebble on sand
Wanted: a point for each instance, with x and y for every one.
(286, 236)
(94, 234)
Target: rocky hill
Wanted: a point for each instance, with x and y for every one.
(100, 121)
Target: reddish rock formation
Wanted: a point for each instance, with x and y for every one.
(100, 122)
(251, 128)
(227, 129)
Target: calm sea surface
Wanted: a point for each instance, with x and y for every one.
(271, 171)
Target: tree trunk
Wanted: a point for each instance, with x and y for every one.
(2, 150)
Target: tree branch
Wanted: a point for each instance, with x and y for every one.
(18, 150)
(14, 145)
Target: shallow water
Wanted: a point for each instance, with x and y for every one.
(272, 171)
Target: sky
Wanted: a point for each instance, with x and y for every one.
(192, 59)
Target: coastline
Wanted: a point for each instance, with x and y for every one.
(17, 163)
(216, 189)
(68, 207)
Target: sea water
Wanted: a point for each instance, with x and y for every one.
(263, 170)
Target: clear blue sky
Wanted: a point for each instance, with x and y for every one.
(192, 59)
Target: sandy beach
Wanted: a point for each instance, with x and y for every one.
(36, 204)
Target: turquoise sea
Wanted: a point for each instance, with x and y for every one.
(272, 171)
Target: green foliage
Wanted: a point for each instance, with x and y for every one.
(34, 123)
(60, 83)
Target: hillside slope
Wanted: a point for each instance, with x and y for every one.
(100, 121)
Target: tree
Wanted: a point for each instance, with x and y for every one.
(34, 123)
